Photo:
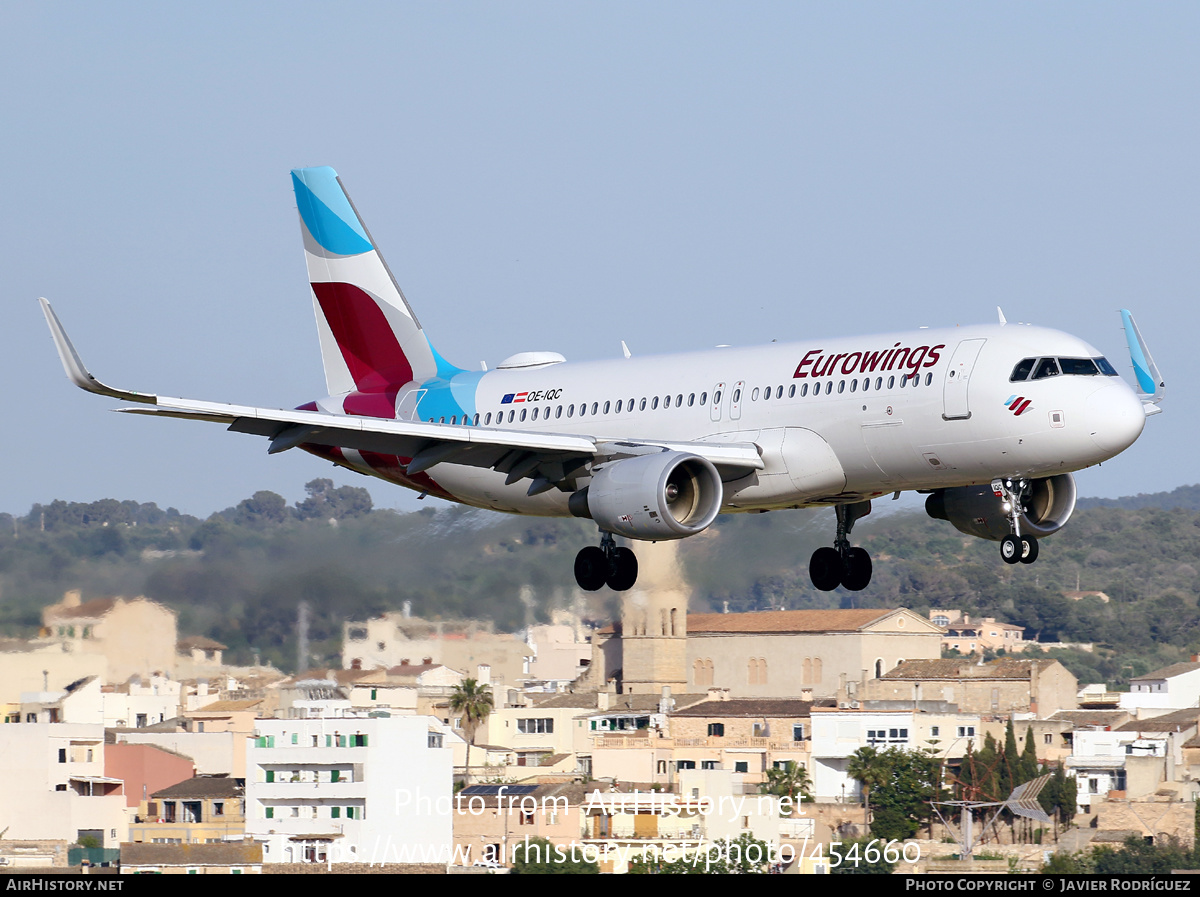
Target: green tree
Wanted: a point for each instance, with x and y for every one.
(537, 856)
(854, 859)
(790, 781)
(902, 783)
(744, 855)
(867, 768)
(474, 702)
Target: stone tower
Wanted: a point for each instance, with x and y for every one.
(654, 623)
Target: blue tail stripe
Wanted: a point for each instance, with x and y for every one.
(327, 212)
(1141, 367)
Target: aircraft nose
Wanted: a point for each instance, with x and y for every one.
(1115, 417)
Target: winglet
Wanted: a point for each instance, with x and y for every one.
(77, 373)
(1151, 387)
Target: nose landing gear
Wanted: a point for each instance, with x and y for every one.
(843, 565)
(1015, 548)
(609, 565)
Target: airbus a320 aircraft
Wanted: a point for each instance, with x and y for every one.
(989, 421)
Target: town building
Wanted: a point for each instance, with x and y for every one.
(54, 785)
(199, 810)
(1171, 688)
(967, 636)
(1002, 686)
(350, 790)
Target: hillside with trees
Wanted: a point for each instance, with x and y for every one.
(240, 575)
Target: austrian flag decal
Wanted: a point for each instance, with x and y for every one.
(1018, 405)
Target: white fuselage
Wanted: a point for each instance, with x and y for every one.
(842, 422)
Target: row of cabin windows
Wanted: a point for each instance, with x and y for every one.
(827, 387)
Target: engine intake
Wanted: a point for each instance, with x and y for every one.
(976, 511)
(667, 495)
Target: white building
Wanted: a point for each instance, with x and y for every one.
(838, 732)
(1172, 688)
(54, 787)
(350, 790)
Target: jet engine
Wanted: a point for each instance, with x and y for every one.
(977, 511)
(666, 495)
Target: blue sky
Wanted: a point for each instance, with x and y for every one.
(565, 176)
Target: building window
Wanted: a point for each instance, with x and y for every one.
(741, 766)
(708, 764)
(435, 740)
(798, 732)
(716, 730)
(535, 726)
(966, 731)
(685, 764)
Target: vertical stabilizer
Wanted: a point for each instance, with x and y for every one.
(371, 342)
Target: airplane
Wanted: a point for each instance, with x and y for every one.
(989, 421)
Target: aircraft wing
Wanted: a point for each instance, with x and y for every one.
(546, 458)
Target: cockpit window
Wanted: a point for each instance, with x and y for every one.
(1021, 371)
(1105, 368)
(1079, 366)
(1047, 367)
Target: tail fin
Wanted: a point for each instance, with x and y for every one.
(371, 342)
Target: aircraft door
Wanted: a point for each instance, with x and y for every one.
(735, 400)
(718, 396)
(958, 379)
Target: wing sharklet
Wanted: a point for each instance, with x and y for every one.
(77, 371)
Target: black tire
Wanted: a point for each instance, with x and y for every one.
(825, 569)
(591, 569)
(1011, 549)
(1029, 549)
(856, 569)
(622, 570)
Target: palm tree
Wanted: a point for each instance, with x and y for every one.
(866, 765)
(474, 702)
(791, 781)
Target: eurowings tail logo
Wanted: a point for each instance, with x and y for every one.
(1018, 405)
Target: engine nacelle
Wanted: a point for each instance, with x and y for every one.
(667, 495)
(977, 511)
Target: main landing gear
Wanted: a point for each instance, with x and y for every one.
(607, 565)
(843, 565)
(1015, 548)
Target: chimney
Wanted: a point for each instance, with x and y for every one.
(484, 674)
(72, 598)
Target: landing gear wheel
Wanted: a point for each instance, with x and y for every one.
(1029, 549)
(1011, 549)
(856, 569)
(825, 569)
(591, 568)
(622, 569)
